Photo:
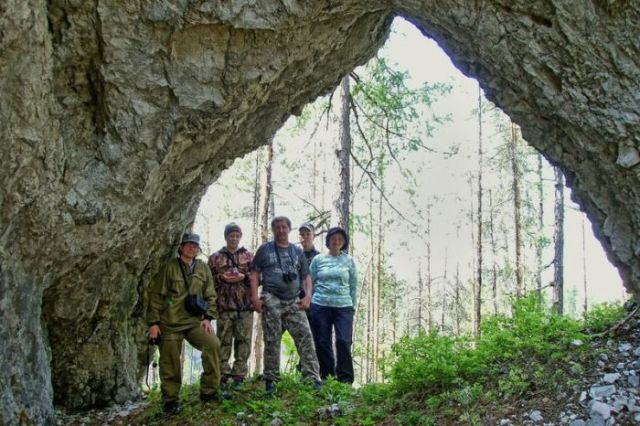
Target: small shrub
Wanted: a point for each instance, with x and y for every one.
(375, 393)
(432, 363)
(470, 419)
(414, 418)
(533, 332)
(512, 356)
(601, 317)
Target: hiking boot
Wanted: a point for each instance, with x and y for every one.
(317, 385)
(213, 397)
(209, 397)
(172, 408)
(237, 383)
(269, 388)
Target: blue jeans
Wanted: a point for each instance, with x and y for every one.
(324, 321)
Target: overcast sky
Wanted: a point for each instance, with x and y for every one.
(436, 176)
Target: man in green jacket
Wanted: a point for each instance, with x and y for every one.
(170, 321)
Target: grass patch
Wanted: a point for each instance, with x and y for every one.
(433, 379)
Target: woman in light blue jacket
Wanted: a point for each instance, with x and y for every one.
(333, 305)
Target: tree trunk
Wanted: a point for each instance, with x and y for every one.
(351, 207)
(445, 288)
(585, 304)
(379, 281)
(266, 194)
(255, 360)
(429, 278)
(516, 210)
(443, 310)
(343, 153)
(478, 288)
(363, 319)
(457, 298)
(420, 293)
(264, 205)
(540, 228)
(395, 292)
(257, 190)
(558, 244)
(494, 256)
(372, 280)
(314, 173)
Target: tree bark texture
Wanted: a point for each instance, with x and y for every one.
(540, 235)
(478, 288)
(558, 244)
(494, 257)
(517, 210)
(343, 201)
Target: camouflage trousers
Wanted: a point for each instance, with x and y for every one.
(234, 332)
(279, 315)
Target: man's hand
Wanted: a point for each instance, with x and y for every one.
(304, 303)
(206, 326)
(257, 305)
(232, 279)
(154, 331)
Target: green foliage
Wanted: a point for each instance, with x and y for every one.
(290, 353)
(432, 362)
(533, 332)
(602, 316)
(433, 377)
(513, 352)
(470, 418)
(415, 418)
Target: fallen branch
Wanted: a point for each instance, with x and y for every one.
(613, 330)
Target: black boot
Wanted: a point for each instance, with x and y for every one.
(269, 388)
(216, 396)
(238, 381)
(172, 408)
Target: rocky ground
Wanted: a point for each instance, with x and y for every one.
(113, 415)
(608, 392)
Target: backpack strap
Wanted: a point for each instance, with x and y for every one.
(184, 275)
(231, 258)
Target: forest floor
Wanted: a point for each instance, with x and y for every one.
(594, 382)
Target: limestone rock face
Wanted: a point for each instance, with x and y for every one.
(116, 116)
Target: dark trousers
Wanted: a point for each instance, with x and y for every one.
(324, 321)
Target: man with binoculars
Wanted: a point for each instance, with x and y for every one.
(280, 267)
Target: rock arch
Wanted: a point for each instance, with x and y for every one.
(117, 115)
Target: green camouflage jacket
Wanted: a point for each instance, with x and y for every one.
(168, 292)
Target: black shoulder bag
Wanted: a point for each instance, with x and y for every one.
(194, 304)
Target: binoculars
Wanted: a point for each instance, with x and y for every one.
(288, 277)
